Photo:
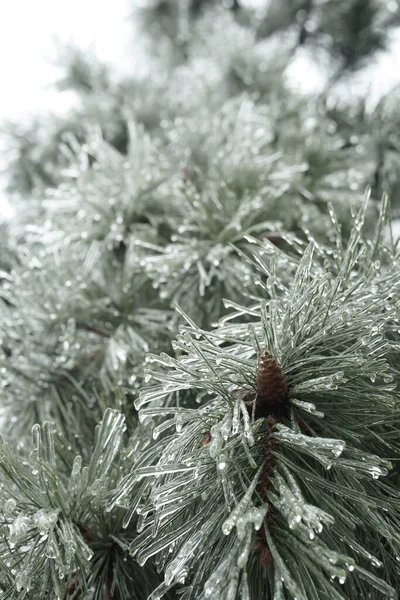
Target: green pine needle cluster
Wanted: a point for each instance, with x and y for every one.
(330, 337)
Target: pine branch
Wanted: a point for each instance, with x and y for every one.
(306, 483)
(57, 532)
(261, 462)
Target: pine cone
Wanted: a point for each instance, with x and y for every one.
(271, 381)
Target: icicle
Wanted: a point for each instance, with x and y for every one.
(248, 433)
(233, 578)
(250, 458)
(216, 580)
(217, 441)
(159, 470)
(175, 570)
(239, 510)
(23, 580)
(329, 382)
(244, 589)
(236, 416)
(296, 510)
(35, 454)
(307, 406)
(108, 441)
(9, 506)
(367, 463)
(226, 426)
(325, 450)
(160, 591)
(284, 573)
(75, 473)
(162, 427)
(254, 516)
(222, 462)
(48, 443)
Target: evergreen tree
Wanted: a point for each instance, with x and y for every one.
(200, 319)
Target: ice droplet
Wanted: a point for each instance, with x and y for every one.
(222, 462)
(9, 506)
(76, 466)
(18, 528)
(240, 509)
(22, 580)
(45, 519)
(377, 472)
(179, 421)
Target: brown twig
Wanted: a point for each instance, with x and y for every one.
(110, 595)
(93, 329)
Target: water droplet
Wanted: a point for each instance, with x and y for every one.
(10, 505)
(45, 519)
(222, 462)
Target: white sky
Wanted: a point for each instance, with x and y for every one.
(28, 31)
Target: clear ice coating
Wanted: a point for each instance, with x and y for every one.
(159, 470)
(214, 583)
(19, 528)
(23, 580)
(329, 382)
(254, 516)
(240, 508)
(233, 578)
(244, 589)
(217, 440)
(325, 450)
(248, 433)
(245, 549)
(175, 571)
(9, 506)
(300, 515)
(307, 406)
(45, 519)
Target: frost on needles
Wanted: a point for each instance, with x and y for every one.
(261, 463)
(261, 460)
(58, 538)
(296, 504)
